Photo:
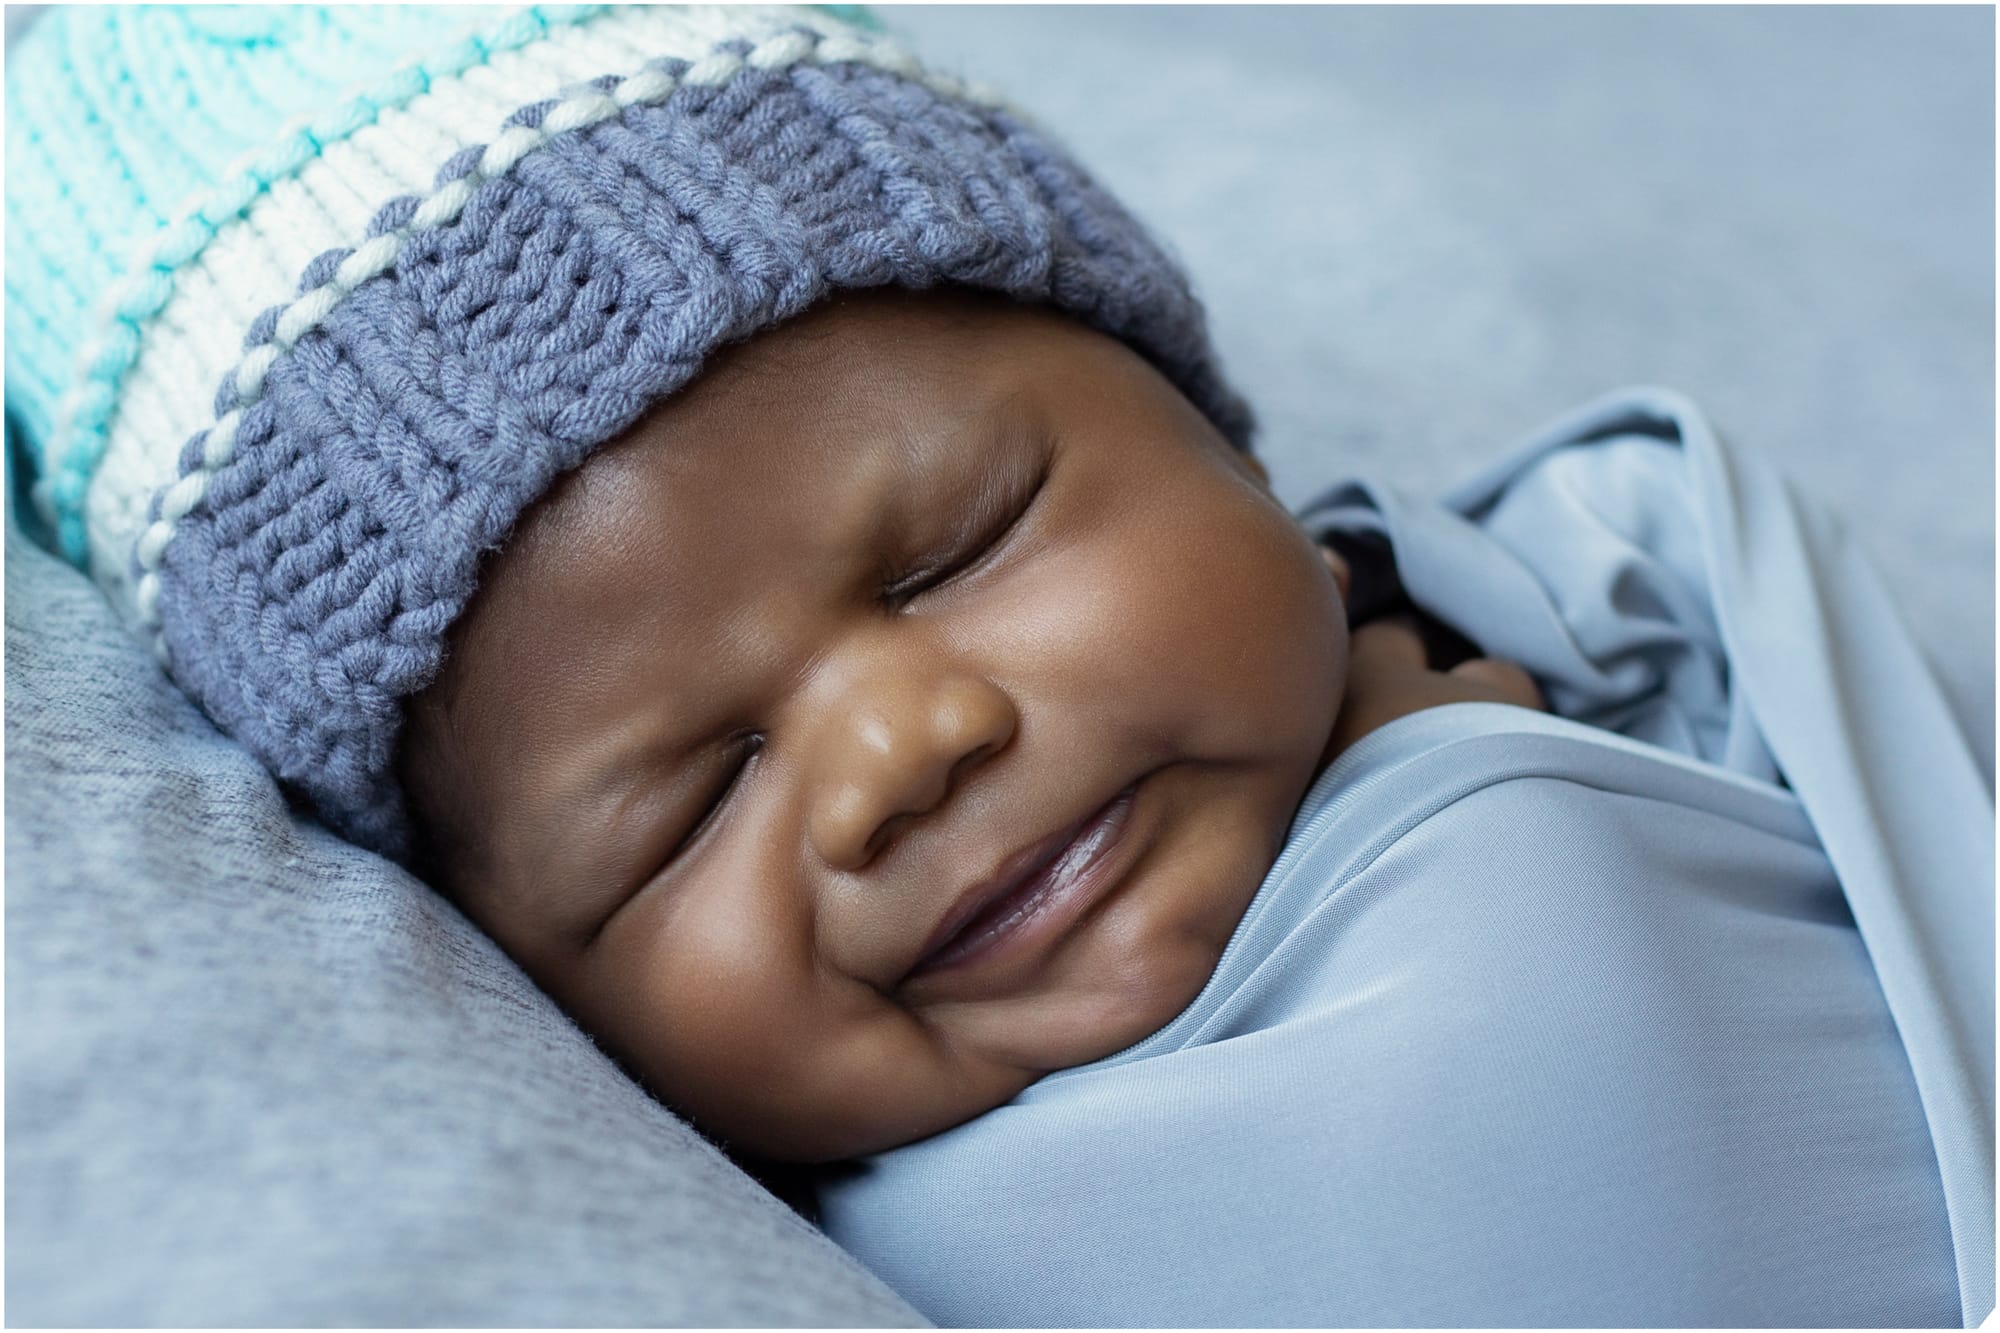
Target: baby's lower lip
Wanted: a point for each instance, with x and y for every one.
(1046, 904)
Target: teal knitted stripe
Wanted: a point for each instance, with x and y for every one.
(859, 15)
(116, 114)
(142, 293)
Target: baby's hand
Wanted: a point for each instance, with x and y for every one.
(1388, 676)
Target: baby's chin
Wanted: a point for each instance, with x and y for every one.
(1095, 1018)
(1143, 955)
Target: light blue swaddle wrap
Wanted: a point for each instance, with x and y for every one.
(1540, 1020)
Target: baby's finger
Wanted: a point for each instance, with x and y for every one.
(1392, 642)
(1343, 577)
(1505, 679)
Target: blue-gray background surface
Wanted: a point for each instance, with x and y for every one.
(1421, 231)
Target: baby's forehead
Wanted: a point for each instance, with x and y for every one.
(836, 402)
(862, 330)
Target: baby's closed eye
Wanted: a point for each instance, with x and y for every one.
(992, 533)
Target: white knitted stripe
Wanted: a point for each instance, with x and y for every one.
(253, 261)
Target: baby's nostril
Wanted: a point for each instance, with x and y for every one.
(884, 834)
(966, 764)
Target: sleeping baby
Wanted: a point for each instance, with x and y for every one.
(767, 536)
(905, 710)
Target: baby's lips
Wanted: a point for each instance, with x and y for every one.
(973, 911)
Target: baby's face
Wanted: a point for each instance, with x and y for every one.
(894, 603)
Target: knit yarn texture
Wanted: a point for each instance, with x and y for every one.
(385, 423)
(134, 134)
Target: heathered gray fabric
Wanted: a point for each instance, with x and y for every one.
(256, 1076)
(394, 445)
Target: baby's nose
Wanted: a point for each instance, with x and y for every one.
(895, 754)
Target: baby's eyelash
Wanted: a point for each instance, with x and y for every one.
(715, 803)
(660, 866)
(909, 585)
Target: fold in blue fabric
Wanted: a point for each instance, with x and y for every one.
(1672, 1007)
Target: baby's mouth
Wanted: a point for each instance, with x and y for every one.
(1048, 877)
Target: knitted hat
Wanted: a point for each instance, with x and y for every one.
(333, 377)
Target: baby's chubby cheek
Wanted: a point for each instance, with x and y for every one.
(1211, 649)
(1248, 620)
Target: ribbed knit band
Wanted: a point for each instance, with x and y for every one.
(426, 380)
